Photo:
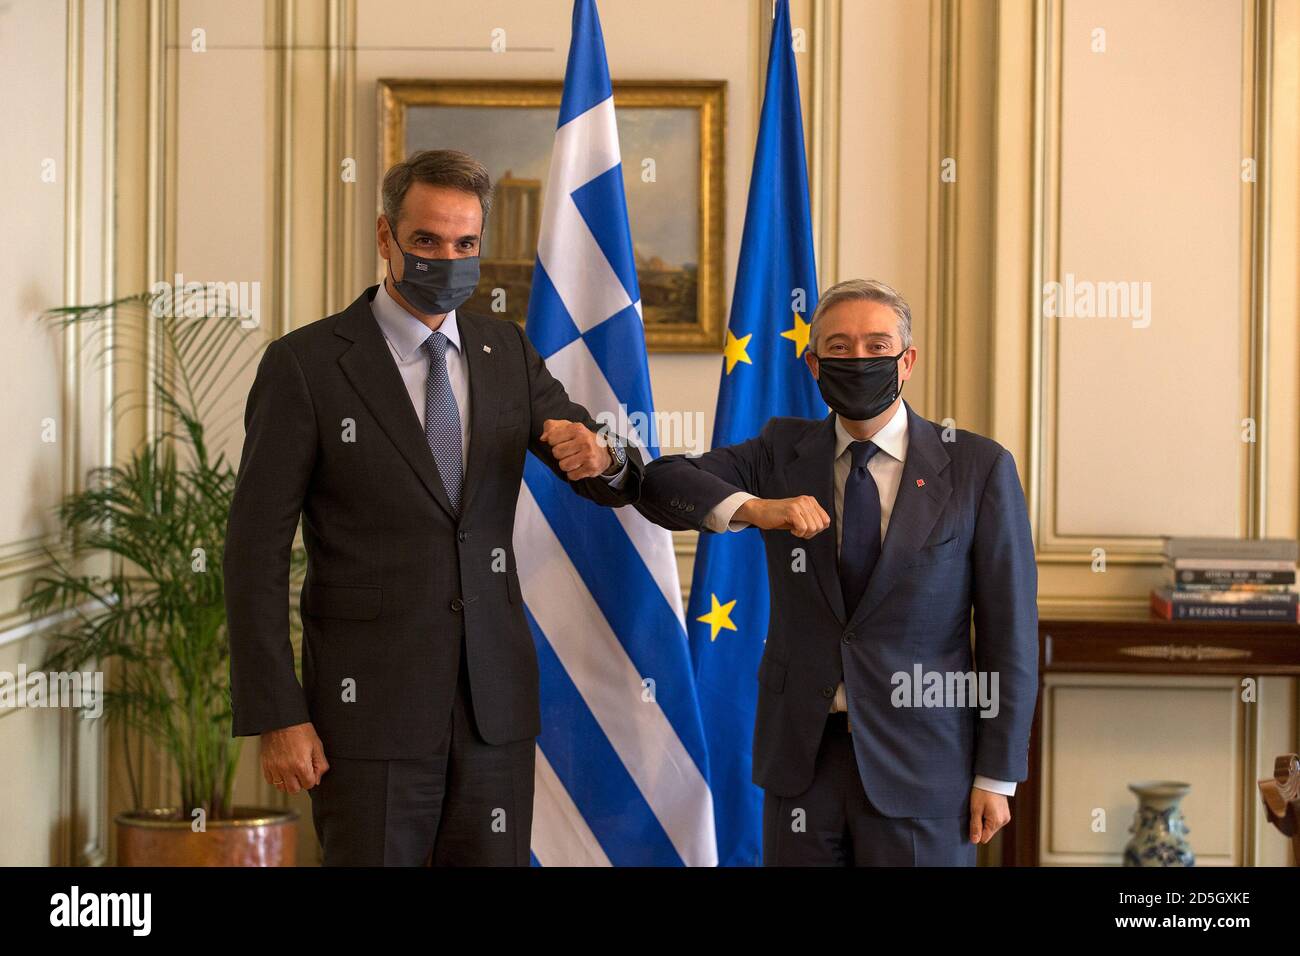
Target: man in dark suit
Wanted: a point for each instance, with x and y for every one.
(880, 737)
(397, 430)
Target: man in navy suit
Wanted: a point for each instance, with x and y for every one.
(883, 737)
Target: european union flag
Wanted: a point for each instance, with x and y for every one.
(763, 375)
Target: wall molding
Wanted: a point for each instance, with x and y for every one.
(824, 122)
(340, 144)
(1257, 118)
(282, 218)
(941, 201)
(1054, 547)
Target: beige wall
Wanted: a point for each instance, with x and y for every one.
(56, 164)
(1122, 165)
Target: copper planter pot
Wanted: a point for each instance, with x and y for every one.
(255, 837)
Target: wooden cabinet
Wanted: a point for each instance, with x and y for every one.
(1137, 644)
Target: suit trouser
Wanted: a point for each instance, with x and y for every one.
(470, 803)
(832, 823)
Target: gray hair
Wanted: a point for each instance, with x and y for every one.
(436, 167)
(868, 290)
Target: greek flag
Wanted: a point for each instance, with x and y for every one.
(622, 777)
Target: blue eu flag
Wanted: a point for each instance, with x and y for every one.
(763, 375)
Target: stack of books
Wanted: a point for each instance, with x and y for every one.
(1228, 579)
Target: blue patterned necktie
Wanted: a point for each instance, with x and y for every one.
(442, 419)
(860, 529)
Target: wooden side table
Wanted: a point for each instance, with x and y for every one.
(1136, 644)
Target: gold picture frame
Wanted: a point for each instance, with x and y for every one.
(682, 301)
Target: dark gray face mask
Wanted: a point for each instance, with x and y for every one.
(434, 286)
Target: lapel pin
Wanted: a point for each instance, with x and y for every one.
(487, 348)
(920, 482)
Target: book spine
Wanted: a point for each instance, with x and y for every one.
(1211, 549)
(1232, 564)
(1210, 577)
(1161, 607)
(1186, 611)
(1244, 598)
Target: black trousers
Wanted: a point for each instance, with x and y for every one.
(468, 804)
(832, 823)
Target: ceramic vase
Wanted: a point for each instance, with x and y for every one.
(1159, 830)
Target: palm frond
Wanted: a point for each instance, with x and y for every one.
(158, 611)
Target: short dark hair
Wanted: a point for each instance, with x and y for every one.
(436, 167)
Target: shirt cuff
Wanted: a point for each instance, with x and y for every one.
(1005, 787)
(719, 519)
(616, 481)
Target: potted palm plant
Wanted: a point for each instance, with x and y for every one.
(157, 613)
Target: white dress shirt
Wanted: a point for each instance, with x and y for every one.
(405, 335)
(886, 469)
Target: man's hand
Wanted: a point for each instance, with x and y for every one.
(293, 758)
(577, 449)
(802, 516)
(989, 813)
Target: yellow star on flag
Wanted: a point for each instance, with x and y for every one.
(798, 335)
(735, 350)
(719, 616)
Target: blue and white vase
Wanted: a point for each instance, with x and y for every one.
(1159, 830)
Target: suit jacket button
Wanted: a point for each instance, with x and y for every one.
(462, 535)
(677, 503)
(828, 692)
(690, 507)
(848, 636)
(457, 604)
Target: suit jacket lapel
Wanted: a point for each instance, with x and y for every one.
(916, 509)
(369, 366)
(813, 472)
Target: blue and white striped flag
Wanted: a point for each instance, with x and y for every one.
(622, 776)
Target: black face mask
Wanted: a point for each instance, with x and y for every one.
(859, 388)
(434, 286)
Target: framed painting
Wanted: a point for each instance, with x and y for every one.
(671, 143)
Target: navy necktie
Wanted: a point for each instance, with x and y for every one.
(860, 528)
(442, 419)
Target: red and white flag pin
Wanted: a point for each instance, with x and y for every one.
(920, 482)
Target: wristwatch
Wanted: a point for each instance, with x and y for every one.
(617, 451)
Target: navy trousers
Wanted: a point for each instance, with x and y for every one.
(832, 823)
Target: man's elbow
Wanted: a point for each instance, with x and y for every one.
(663, 517)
